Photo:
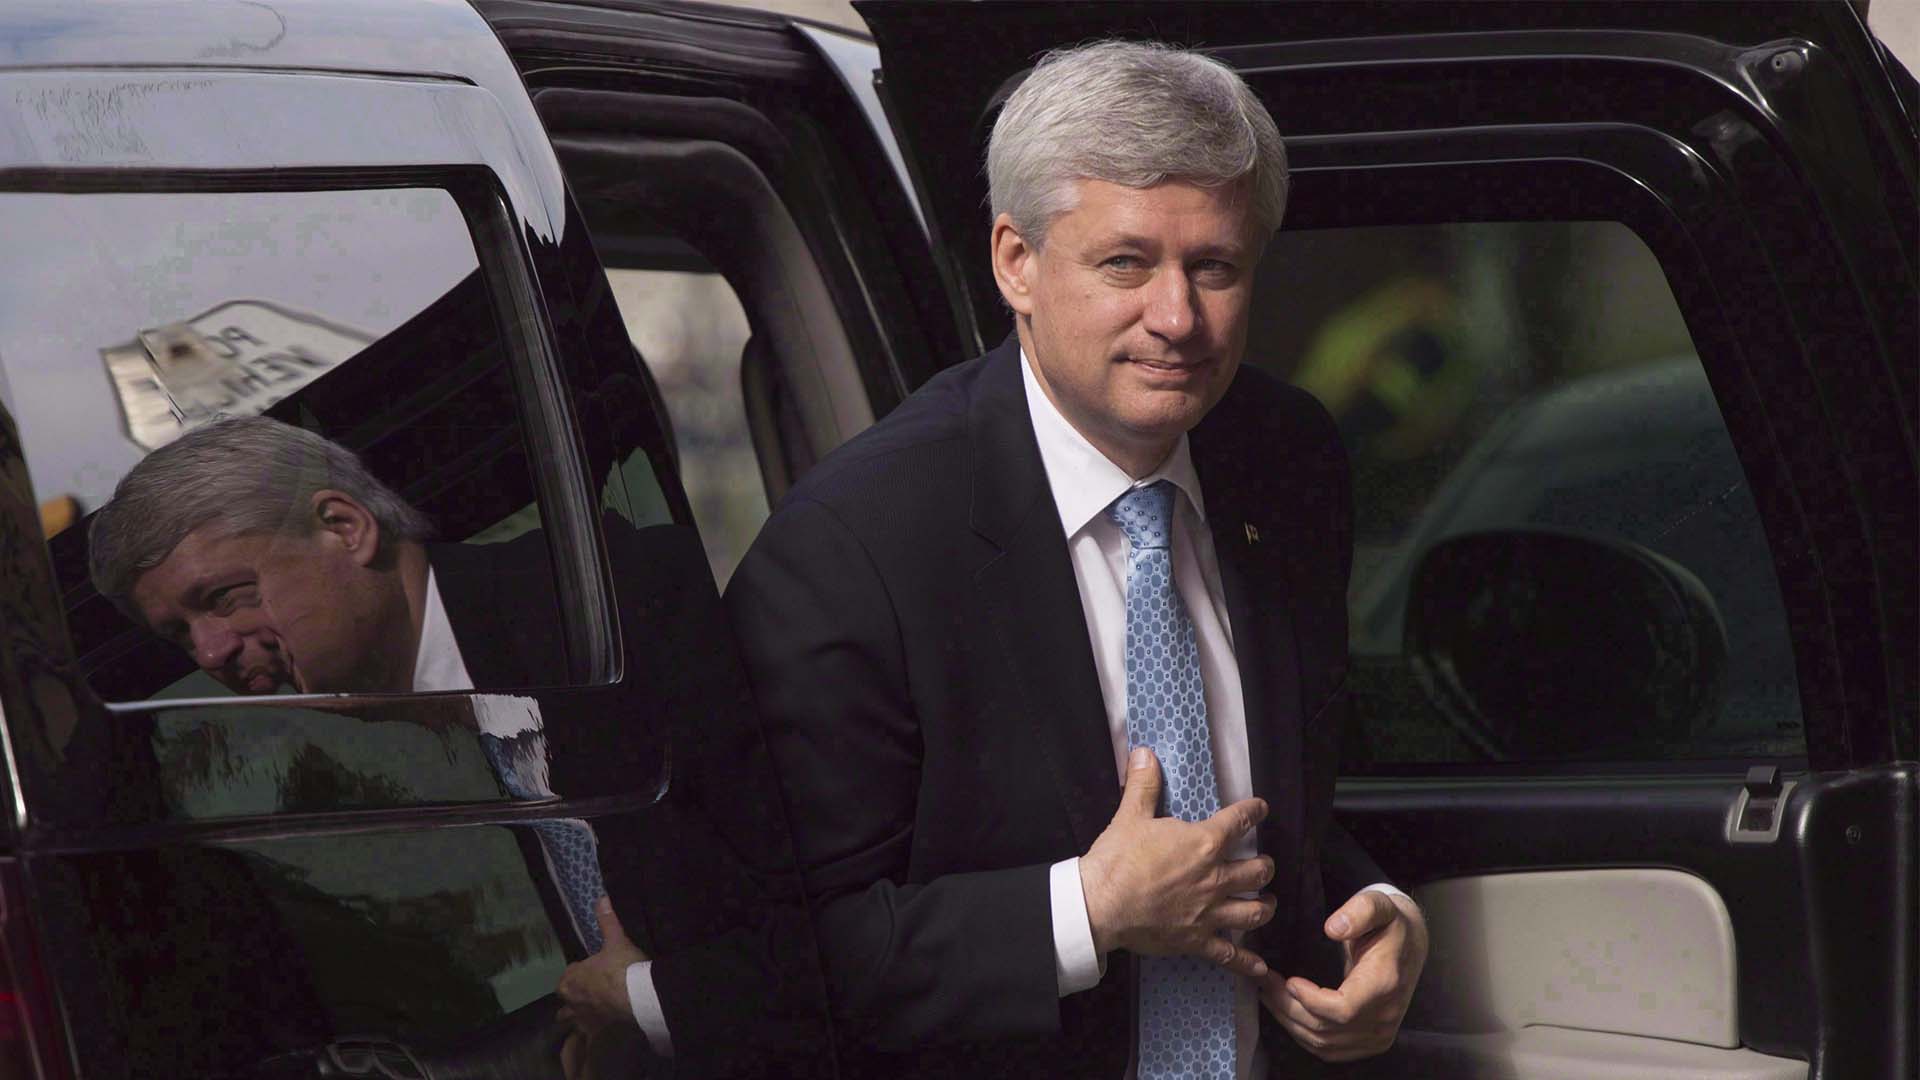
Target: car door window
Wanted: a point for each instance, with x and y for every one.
(1513, 380)
(363, 317)
(358, 315)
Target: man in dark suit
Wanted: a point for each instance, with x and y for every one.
(275, 559)
(1103, 552)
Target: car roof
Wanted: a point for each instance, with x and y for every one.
(83, 63)
(419, 38)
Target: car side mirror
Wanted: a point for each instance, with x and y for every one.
(1539, 644)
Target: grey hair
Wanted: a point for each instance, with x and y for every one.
(1134, 114)
(247, 475)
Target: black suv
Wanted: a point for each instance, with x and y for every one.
(1616, 306)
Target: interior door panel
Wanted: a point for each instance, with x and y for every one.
(1633, 951)
(1821, 919)
(1544, 1053)
(1580, 975)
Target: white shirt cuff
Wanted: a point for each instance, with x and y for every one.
(1381, 886)
(645, 1003)
(1076, 966)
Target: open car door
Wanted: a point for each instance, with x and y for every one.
(1616, 309)
(772, 270)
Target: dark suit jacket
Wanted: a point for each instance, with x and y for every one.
(704, 881)
(916, 641)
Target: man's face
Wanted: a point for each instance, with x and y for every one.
(1137, 306)
(260, 610)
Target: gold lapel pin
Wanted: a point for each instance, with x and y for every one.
(1253, 534)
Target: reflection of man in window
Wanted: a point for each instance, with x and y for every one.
(275, 559)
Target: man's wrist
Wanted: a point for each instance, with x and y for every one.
(1092, 899)
(1077, 964)
(643, 1000)
(1407, 905)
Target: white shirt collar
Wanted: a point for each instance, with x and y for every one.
(437, 664)
(1084, 481)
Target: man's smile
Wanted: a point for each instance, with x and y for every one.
(1168, 370)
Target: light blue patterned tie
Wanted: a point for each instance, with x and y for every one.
(1186, 1003)
(571, 850)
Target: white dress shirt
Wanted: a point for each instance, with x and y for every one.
(1084, 484)
(438, 666)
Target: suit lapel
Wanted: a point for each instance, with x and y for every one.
(1259, 596)
(1033, 601)
(1265, 651)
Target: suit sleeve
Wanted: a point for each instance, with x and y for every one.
(963, 957)
(1322, 495)
(1345, 866)
(704, 880)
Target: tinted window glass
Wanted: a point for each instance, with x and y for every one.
(497, 952)
(258, 959)
(1527, 380)
(361, 316)
(364, 323)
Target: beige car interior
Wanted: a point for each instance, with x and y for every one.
(1581, 975)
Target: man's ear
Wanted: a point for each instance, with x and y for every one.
(351, 524)
(1012, 265)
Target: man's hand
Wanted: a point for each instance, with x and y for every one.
(595, 989)
(1161, 885)
(1385, 938)
(612, 1052)
(578, 1057)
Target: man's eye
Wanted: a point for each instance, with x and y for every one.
(1215, 270)
(1125, 263)
(229, 600)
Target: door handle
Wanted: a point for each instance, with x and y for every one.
(1758, 808)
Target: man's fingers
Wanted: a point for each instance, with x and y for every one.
(1372, 986)
(1235, 959)
(1328, 1023)
(611, 932)
(1141, 797)
(1368, 910)
(1287, 1009)
(1246, 875)
(1237, 914)
(1332, 1006)
(1334, 1047)
(1238, 818)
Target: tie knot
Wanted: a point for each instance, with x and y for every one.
(1145, 514)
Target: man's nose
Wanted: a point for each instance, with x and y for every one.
(214, 643)
(1171, 313)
